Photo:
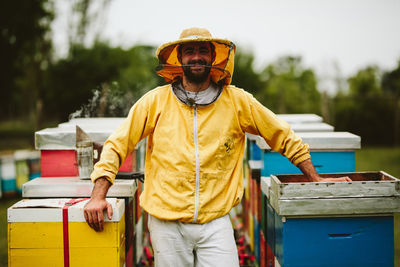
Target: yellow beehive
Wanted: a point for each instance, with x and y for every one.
(35, 235)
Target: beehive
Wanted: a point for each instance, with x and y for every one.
(36, 234)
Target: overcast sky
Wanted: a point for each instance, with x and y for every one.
(349, 33)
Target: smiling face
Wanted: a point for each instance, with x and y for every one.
(198, 55)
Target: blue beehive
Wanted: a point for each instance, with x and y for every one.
(330, 152)
(332, 224)
(8, 175)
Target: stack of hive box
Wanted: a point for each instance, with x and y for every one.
(269, 228)
(39, 235)
(60, 181)
(16, 168)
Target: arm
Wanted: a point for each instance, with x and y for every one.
(308, 169)
(123, 140)
(281, 138)
(93, 210)
(135, 127)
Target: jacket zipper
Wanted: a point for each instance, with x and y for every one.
(196, 149)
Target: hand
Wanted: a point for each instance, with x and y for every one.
(93, 212)
(338, 179)
(309, 171)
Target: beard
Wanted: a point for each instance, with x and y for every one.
(196, 78)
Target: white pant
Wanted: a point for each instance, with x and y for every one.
(178, 244)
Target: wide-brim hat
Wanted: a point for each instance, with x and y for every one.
(222, 66)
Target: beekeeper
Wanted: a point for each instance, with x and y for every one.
(195, 128)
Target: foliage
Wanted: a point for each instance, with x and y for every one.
(86, 16)
(391, 87)
(284, 86)
(115, 72)
(379, 159)
(25, 52)
(366, 110)
(139, 76)
(104, 80)
(245, 76)
(290, 88)
(71, 80)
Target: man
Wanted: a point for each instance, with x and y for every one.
(196, 129)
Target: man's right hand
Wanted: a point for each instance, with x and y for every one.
(93, 210)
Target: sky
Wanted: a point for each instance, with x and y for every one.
(332, 36)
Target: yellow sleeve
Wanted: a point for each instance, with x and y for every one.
(123, 140)
(277, 133)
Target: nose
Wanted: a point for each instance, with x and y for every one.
(196, 55)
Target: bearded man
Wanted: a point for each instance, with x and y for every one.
(195, 128)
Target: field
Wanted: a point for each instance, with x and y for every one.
(367, 159)
(379, 159)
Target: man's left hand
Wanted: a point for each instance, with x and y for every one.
(333, 180)
(308, 169)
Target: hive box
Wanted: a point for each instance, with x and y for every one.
(57, 145)
(354, 221)
(36, 234)
(303, 118)
(368, 193)
(8, 175)
(64, 187)
(330, 152)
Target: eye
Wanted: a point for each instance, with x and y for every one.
(188, 51)
(204, 50)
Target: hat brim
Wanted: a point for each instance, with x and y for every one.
(222, 66)
(193, 39)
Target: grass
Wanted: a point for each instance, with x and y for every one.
(19, 134)
(367, 159)
(379, 159)
(4, 204)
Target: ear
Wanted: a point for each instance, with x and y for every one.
(213, 55)
(179, 53)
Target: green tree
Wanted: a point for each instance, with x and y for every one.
(289, 87)
(365, 110)
(391, 88)
(140, 76)
(245, 76)
(366, 83)
(71, 80)
(25, 52)
(115, 72)
(87, 16)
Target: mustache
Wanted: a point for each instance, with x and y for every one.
(197, 62)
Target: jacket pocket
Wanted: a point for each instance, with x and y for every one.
(215, 193)
(178, 190)
(226, 152)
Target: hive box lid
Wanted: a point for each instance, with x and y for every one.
(113, 122)
(300, 118)
(74, 187)
(323, 141)
(265, 185)
(303, 127)
(369, 192)
(64, 136)
(364, 184)
(312, 127)
(50, 210)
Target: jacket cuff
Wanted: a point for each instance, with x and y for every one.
(301, 159)
(97, 175)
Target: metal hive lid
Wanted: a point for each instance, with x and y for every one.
(369, 193)
(323, 141)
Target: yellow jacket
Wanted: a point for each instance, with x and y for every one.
(193, 168)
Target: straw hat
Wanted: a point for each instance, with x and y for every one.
(170, 68)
